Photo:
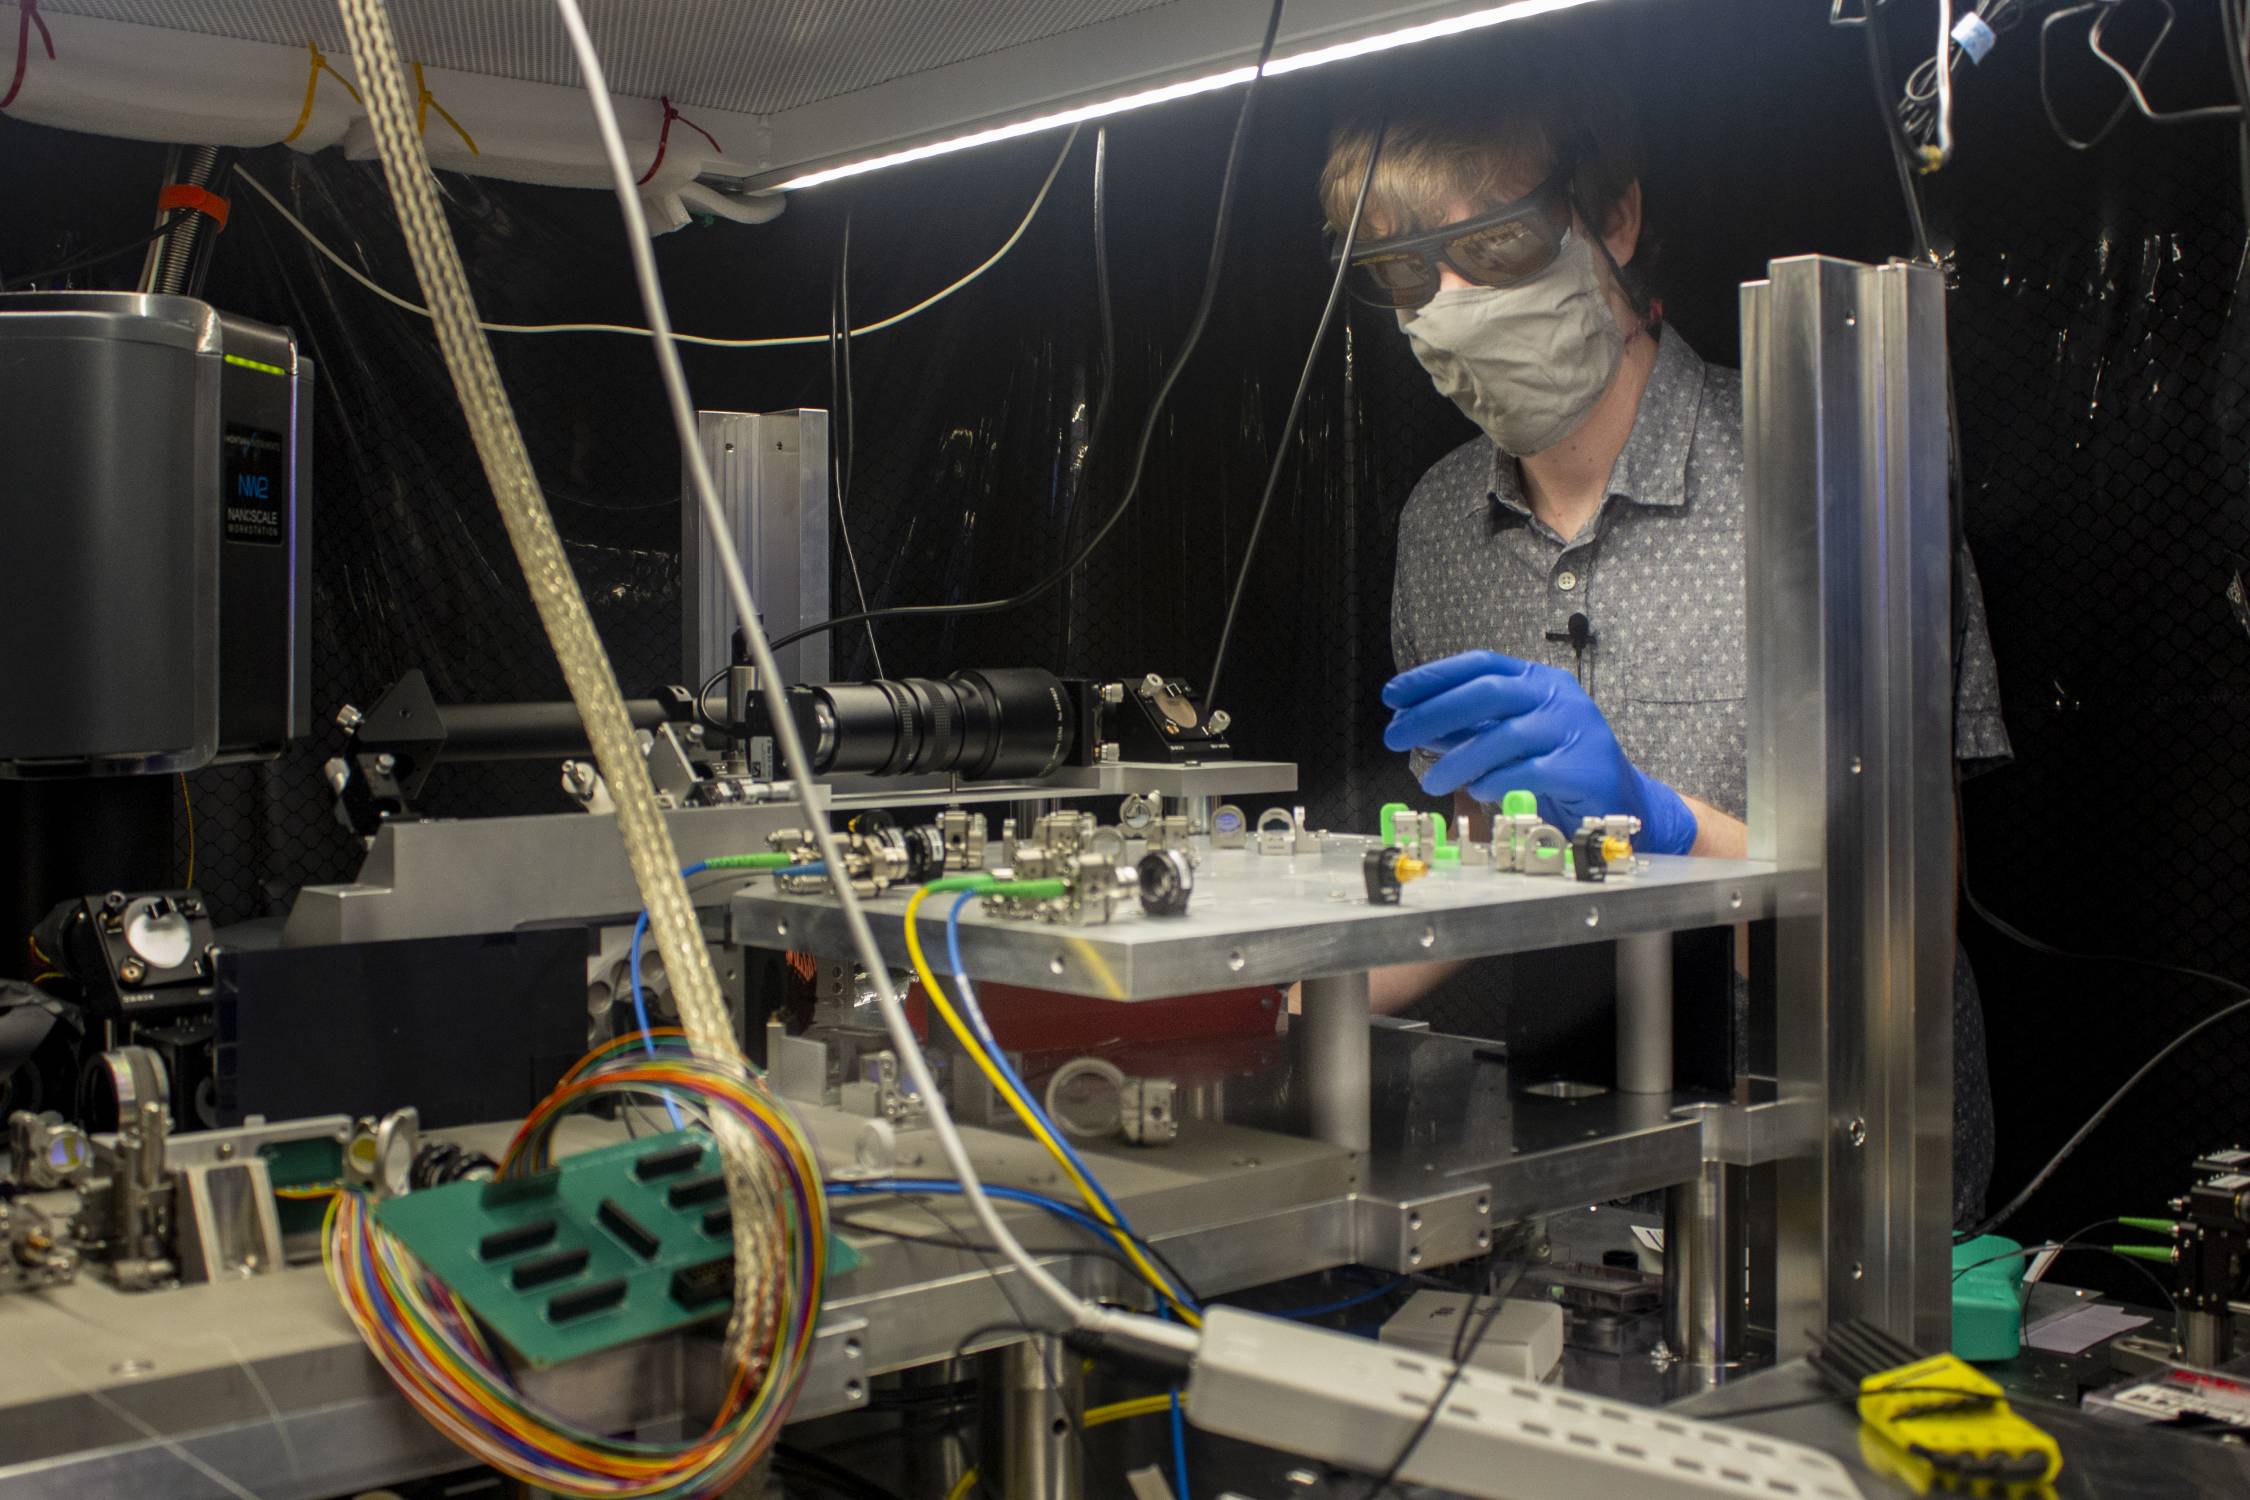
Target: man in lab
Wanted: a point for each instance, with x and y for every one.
(1567, 615)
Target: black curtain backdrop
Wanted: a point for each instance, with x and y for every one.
(2099, 364)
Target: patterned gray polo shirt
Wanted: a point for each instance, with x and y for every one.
(1657, 571)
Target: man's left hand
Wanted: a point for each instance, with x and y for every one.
(1499, 724)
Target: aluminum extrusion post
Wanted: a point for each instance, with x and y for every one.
(1334, 1058)
(1704, 1276)
(1644, 1013)
(1042, 1458)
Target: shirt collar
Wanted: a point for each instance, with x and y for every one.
(1652, 467)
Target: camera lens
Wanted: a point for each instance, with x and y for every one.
(1011, 721)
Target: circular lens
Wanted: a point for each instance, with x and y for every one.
(1167, 880)
(157, 933)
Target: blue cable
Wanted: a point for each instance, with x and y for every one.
(1322, 1310)
(1179, 1446)
(640, 999)
(975, 1016)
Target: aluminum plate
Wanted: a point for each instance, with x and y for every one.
(1275, 919)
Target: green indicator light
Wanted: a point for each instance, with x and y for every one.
(259, 365)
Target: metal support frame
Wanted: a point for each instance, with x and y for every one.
(1850, 547)
(771, 470)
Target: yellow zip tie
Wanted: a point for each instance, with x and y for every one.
(320, 65)
(428, 102)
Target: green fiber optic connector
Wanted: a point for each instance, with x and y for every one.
(2158, 1253)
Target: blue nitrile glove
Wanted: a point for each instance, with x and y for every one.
(1499, 724)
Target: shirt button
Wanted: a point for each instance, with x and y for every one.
(1566, 580)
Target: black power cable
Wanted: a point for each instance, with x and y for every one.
(843, 420)
(1289, 423)
(171, 222)
(1465, 1345)
(1879, 71)
(1227, 186)
(2040, 1179)
(828, 1474)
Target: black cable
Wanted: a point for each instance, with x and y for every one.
(1465, 1346)
(2010, 931)
(1289, 423)
(1101, 268)
(976, 1334)
(828, 1473)
(2076, 1240)
(1146, 1247)
(1879, 70)
(972, 1247)
(1061, 575)
(2238, 74)
(98, 257)
(843, 419)
(2040, 1179)
(1830, 1398)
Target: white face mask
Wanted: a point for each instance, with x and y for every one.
(1525, 362)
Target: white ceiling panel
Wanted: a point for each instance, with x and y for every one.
(756, 57)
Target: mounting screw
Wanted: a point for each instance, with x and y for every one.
(337, 772)
(349, 718)
(1855, 1131)
(386, 763)
(1113, 693)
(1220, 721)
(695, 732)
(131, 971)
(1152, 684)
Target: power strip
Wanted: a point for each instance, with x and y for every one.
(1355, 1402)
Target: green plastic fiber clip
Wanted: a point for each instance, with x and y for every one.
(1987, 1306)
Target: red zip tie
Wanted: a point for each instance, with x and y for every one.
(664, 139)
(25, 19)
(202, 200)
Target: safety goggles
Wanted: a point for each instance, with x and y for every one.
(1512, 243)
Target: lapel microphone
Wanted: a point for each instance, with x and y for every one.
(1579, 632)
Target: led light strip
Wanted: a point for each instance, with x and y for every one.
(1405, 36)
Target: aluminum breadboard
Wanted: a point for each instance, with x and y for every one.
(1350, 1401)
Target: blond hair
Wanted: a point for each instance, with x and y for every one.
(1478, 129)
